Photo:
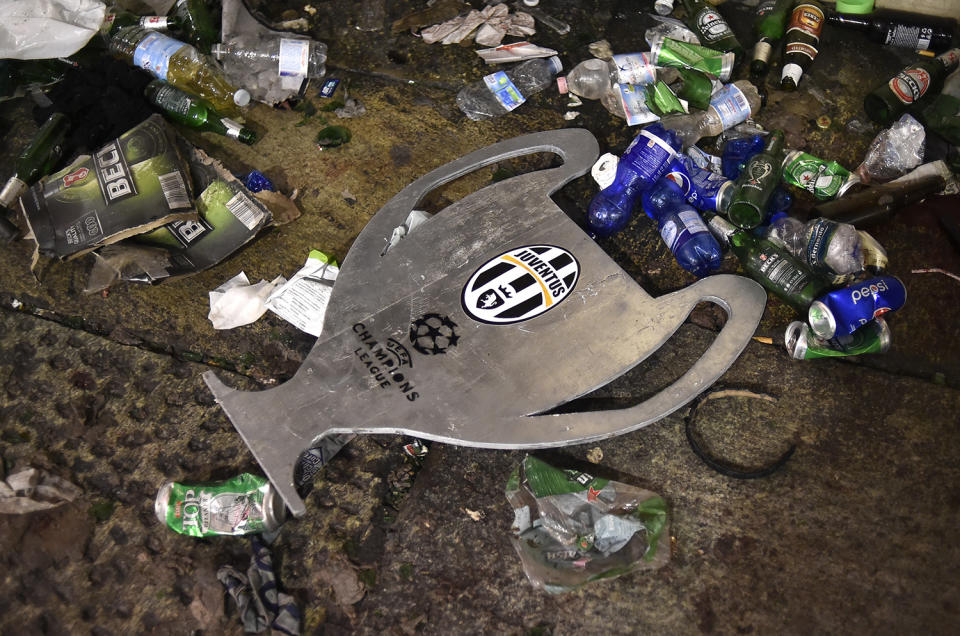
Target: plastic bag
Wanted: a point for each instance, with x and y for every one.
(893, 152)
(571, 528)
(43, 29)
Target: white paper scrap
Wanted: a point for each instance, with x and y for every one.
(303, 300)
(236, 302)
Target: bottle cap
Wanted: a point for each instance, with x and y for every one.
(241, 97)
(855, 6)
(555, 63)
(791, 73)
(562, 84)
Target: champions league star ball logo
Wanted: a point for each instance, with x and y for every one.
(432, 334)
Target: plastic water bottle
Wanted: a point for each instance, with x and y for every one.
(501, 92)
(641, 166)
(682, 229)
(731, 105)
(827, 247)
(282, 56)
(591, 79)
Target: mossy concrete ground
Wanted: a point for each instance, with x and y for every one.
(853, 534)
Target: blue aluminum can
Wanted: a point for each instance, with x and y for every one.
(843, 311)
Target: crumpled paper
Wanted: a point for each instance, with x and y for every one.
(491, 24)
(236, 302)
(32, 489)
(302, 301)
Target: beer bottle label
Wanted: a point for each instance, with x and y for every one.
(504, 90)
(808, 19)
(780, 271)
(173, 101)
(910, 85)
(911, 37)
(712, 26)
(758, 173)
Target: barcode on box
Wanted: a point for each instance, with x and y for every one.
(174, 191)
(244, 209)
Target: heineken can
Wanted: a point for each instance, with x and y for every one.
(841, 312)
(823, 179)
(246, 504)
(803, 344)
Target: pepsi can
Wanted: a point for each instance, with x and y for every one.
(704, 190)
(841, 312)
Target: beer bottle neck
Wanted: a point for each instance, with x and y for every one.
(858, 22)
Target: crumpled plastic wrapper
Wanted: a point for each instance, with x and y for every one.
(571, 528)
(236, 302)
(32, 489)
(491, 25)
(894, 152)
(516, 52)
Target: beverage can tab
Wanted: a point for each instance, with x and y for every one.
(634, 102)
(731, 106)
(635, 68)
(604, 171)
(294, 57)
(504, 90)
(154, 52)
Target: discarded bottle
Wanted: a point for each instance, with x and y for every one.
(645, 160)
(592, 78)
(756, 183)
(629, 101)
(802, 42)
(710, 27)
(682, 229)
(280, 56)
(246, 504)
(118, 18)
(180, 65)
(823, 179)
(828, 248)
(195, 22)
(769, 27)
(501, 92)
(887, 102)
(729, 106)
(803, 344)
(898, 29)
(737, 152)
(36, 160)
(185, 109)
(842, 311)
(879, 203)
(771, 265)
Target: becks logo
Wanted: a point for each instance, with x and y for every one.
(520, 284)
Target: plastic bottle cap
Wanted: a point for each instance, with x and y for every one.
(241, 97)
(855, 6)
(555, 63)
(562, 85)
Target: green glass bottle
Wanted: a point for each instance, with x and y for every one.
(712, 29)
(196, 23)
(770, 264)
(37, 160)
(885, 104)
(770, 24)
(187, 110)
(756, 183)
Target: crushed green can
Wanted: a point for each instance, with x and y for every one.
(246, 504)
(823, 179)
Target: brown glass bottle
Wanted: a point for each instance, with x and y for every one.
(802, 41)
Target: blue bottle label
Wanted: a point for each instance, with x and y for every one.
(649, 156)
(503, 89)
(731, 105)
(154, 52)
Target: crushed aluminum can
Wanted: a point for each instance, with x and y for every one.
(842, 311)
(803, 344)
(416, 449)
(246, 504)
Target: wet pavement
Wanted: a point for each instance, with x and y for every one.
(853, 534)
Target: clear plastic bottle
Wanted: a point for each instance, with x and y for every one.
(593, 78)
(645, 160)
(180, 65)
(827, 247)
(284, 56)
(731, 105)
(501, 92)
(682, 229)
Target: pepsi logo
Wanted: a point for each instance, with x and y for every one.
(520, 284)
